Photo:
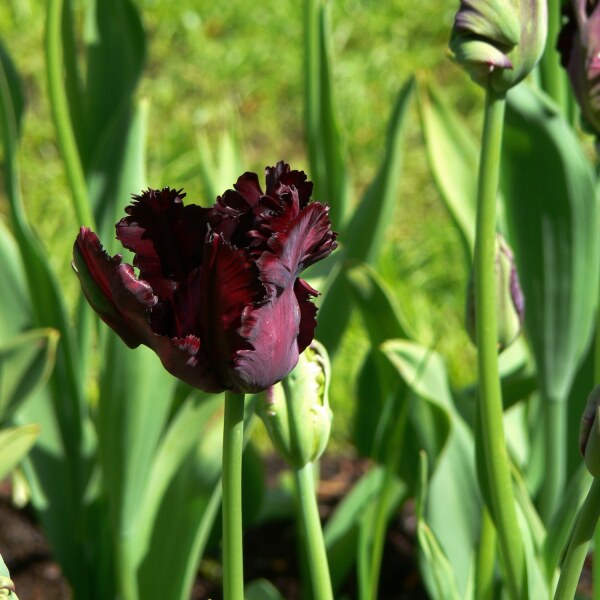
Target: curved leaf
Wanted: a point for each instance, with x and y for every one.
(552, 220)
(26, 361)
(364, 234)
(453, 157)
(15, 443)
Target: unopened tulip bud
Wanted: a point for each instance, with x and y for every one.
(579, 46)
(510, 304)
(498, 42)
(7, 588)
(296, 411)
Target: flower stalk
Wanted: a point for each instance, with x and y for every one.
(233, 445)
(553, 79)
(310, 523)
(495, 459)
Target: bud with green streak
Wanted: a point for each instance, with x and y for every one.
(510, 304)
(499, 42)
(296, 411)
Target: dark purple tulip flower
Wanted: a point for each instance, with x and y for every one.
(579, 46)
(218, 296)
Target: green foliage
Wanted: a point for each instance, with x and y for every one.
(125, 478)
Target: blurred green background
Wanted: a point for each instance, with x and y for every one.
(212, 66)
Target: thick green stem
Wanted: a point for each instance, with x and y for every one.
(316, 555)
(486, 558)
(233, 446)
(553, 76)
(555, 443)
(495, 457)
(60, 113)
(579, 543)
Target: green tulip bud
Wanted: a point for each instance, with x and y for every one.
(589, 433)
(510, 304)
(498, 42)
(7, 587)
(296, 411)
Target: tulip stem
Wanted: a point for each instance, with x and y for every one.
(314, 545)
(553, 77)
(495, 457)
(579, 543)
(233, 446)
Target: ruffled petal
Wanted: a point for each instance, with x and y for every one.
(166, 236)
(306, 240)
(184, 359)
(281, 176)
(271, 330)
(229, 284)
(121, 300)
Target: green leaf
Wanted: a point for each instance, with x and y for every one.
(15, 443)
(453, 157)
(219, 171)
(67, 477)
(133, 407)
(453, 507)
(343, 527)
(364, 234)
(326, 151)
(15, 89)
(15, 307)
(550, 204)
(533, 534)
(261, 589)
(435, 565)
(559, 529)
(186, 474)
(26, 362)
(424, 373)
(381, 315)
(114, 35)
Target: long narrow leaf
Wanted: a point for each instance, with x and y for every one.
(326, 151)
(453, 158)
(363, 236)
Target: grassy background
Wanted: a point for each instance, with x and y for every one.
(211, 65)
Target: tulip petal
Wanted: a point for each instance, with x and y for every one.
(307, 239)
(281, 175)
(308, 313)
(227, 285)
(122, 301)
(166, 237)
(271, 330)
(184, 359)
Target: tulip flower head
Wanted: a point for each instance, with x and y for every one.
(218, 296)
(579, 46)
(498, 42)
